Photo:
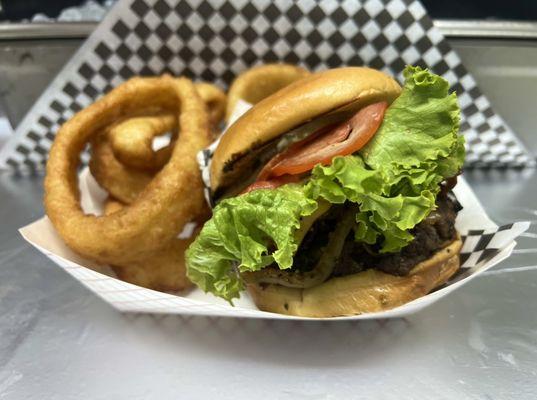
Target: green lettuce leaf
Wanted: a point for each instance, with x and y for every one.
(394, 180)
(383, 216)
(421, 124)
(396, 177)
(247, 233)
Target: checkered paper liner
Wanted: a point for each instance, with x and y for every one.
(484, 245)
(213, 40)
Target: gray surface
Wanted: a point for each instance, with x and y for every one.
(47, 30)
(506, 72)
(486, 28)
(58, 341)
(26, 68)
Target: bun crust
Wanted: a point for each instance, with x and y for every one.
(311, 97)
(364, 292)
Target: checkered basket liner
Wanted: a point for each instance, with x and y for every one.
(214, 40)
(482, 245)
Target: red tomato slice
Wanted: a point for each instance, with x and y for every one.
(272, 183)
(336, 135)
(327, 143)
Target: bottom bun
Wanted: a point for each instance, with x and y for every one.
(364, 292)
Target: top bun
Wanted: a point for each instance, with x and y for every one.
(311, 97)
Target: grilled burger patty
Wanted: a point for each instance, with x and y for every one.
(432, 234)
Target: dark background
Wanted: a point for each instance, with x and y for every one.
(482, 9)
(16, 10)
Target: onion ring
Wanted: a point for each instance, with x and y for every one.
(165, 270)
(172, 198)
(215, 99)
(124, 182)
(112, 205)
(120, 181)
(259, 82)
(132, 139)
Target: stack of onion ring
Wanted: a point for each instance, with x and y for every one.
(144, 230)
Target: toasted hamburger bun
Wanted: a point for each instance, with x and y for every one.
(307, 99)
(364, 292)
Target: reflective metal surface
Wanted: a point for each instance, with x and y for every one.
(487, 29)
(58, 341)
(449, 28)
(26, 69)
(46, 30)
(506, 72)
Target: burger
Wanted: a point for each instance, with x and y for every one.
(333, 196)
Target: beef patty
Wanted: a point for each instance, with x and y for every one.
(430, 235)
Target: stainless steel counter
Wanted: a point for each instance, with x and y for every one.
(59, 341)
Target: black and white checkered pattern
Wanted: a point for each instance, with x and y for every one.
(215, 40)
(480, 246)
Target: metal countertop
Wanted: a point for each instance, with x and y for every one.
(59, 341)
